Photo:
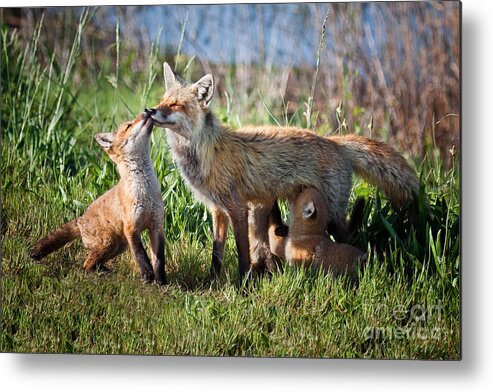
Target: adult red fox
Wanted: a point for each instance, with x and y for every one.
(117, 218)
(231, 171)
(306, 243)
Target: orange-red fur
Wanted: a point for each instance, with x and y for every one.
(307, 244)
(116, 219)
(234, 172)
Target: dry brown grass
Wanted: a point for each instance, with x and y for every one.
(396, 78)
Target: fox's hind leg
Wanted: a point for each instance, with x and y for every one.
(258, 226)
(357, 215)
(100, 255)
(157, 255)
(338, 229)
(343, 230)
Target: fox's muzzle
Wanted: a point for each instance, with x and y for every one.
(160, 119)
(146, 118)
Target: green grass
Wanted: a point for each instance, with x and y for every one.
(406, 304)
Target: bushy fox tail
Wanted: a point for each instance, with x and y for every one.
(381, 165)
(55, 240)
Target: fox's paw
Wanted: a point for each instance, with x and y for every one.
(147, 276)
(102, 269)
(161, 280)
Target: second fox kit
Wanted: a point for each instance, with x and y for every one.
(231, 171)
(306, 244)
(116, 219)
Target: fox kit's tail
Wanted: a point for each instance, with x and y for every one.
(382, 166)
(55, 240)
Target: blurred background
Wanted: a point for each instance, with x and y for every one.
(385, 70)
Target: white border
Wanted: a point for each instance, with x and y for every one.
(83, 373)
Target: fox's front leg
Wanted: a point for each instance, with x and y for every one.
(239, 220)
(157, 255)
(135, 242)
(220, 223)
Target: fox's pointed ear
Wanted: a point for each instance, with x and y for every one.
(169, 76)
(105, 140)
(205, 89)
(309, 210)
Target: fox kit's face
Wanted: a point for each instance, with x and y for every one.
(183, 107)
(310, 209)
(130, 140)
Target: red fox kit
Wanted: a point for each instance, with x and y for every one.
(117, 218)
(306, 244)
(231, 171)
(257, 248)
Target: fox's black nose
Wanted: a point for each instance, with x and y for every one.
(150, 111)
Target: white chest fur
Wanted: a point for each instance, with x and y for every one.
(142, 192)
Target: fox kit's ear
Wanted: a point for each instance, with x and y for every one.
(205, 89)
(309, 210)
(105, 140)
(169, 76)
